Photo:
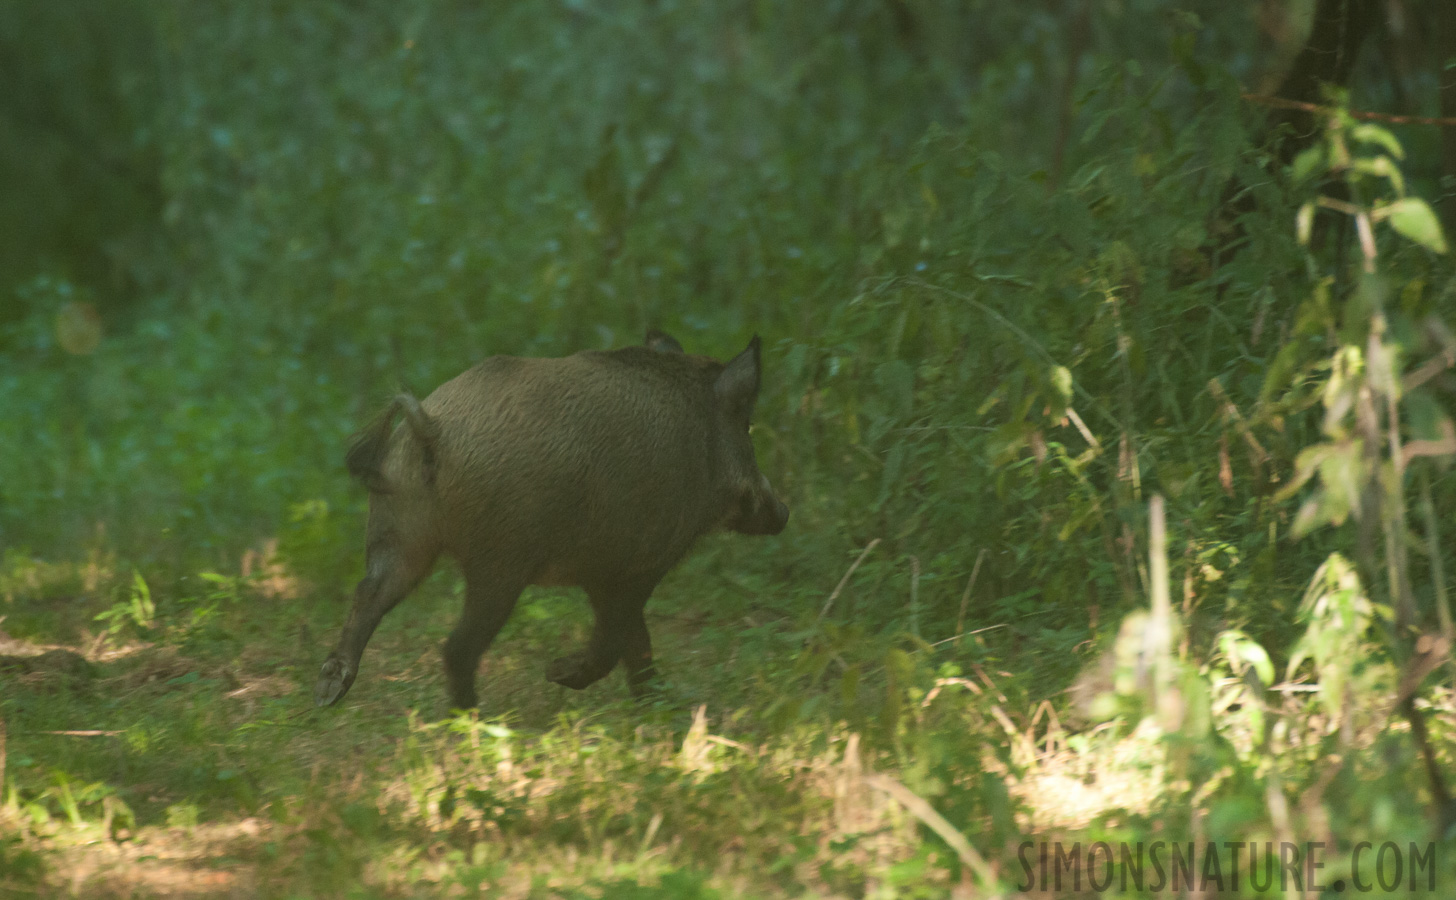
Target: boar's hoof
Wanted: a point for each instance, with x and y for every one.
(333, 683)
(570, 671)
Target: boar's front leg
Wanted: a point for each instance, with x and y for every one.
(391, 573)
(619, 634)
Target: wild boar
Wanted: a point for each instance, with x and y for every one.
(598, 470)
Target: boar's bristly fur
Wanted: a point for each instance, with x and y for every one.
(598, 470)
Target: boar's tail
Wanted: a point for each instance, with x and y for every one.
(426, 431)
(365, 458)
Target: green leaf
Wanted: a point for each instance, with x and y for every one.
(1341, 472)
(1412, 217)
(1305, 465)
(1337, 614)
(1308, 163)
(1243, 652)
(1367, 133)
(1061, 379)
(1381, 167)
(1304, 223)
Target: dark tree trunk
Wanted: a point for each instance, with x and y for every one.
(1328, 58)
(1446, 57)
(1079, 39)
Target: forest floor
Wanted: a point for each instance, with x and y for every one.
(171, 748)
(166, 745)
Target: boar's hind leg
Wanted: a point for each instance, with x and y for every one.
(637, 655)
(488, 603)
(620, 634)
(390, 575)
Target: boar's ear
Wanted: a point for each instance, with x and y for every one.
(737, 384)
(662, 342)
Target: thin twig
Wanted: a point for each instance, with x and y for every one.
(1054, 727)
(970, 586)
(947, 682)
(1231, 411)
(1367, 240)
(1393, 518)
(1339, 206)
(1392, 118)
(915, 596)
(969, 633)
(926, 813)
(1445, 810)
(834, 595)
(1433, 550)
(727, 742)
(986, 680)
(1087, 434)
(1161, 621)
(82, 733)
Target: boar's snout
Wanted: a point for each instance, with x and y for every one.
(775, 520)
(759, 512)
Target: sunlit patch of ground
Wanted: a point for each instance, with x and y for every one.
(21, 575)
(199, 861)
(1068, 785)
(1069, 782)
(271, 686)
(829, 802)
(91, 648)
(269, 575)
(426, 845)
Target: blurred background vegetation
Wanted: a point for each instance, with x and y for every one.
(1018, 268)
(273, 215)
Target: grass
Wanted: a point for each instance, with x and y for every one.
(187, 759)
(190, 758)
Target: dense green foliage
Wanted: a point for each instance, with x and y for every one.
(357, 201)
(995, 326)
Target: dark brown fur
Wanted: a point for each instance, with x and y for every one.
(598, 470)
